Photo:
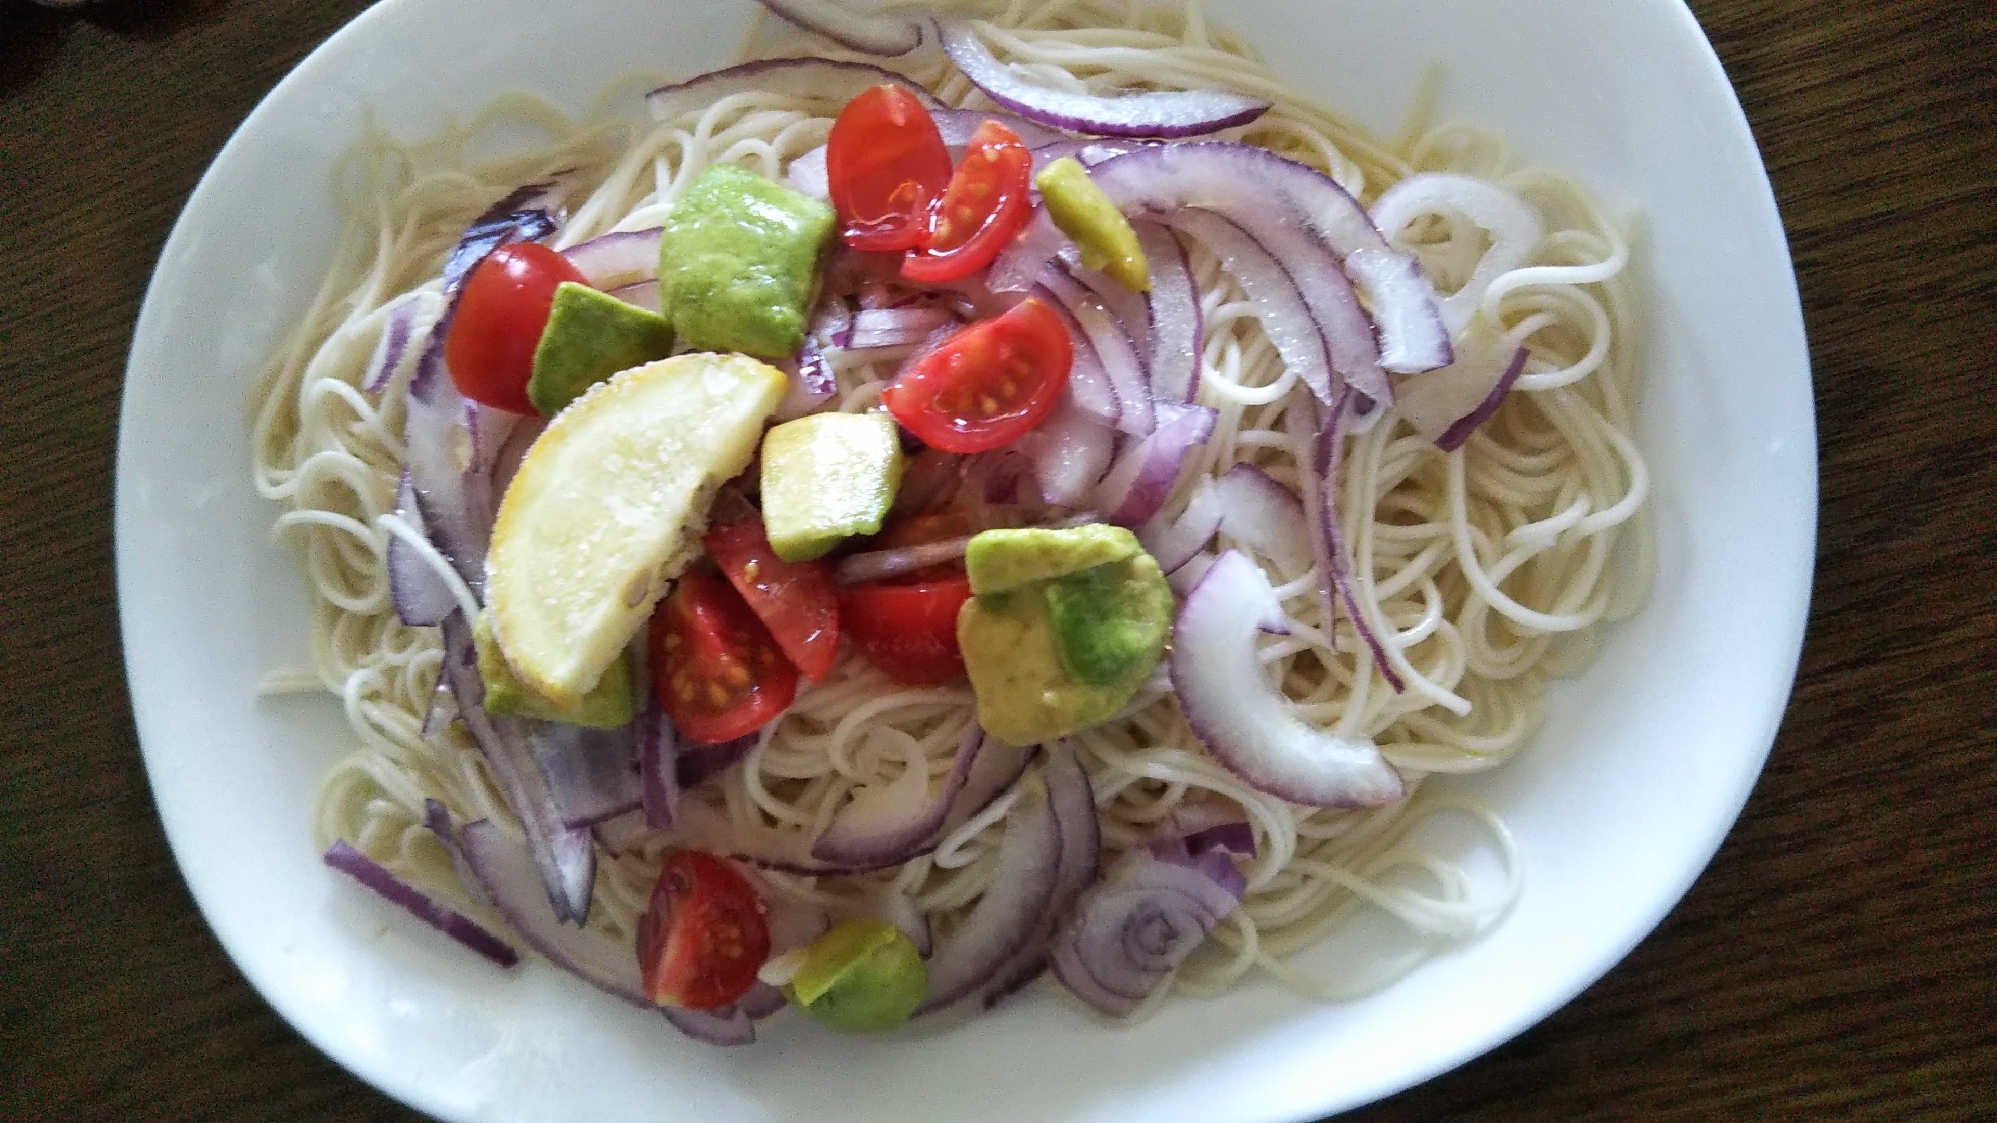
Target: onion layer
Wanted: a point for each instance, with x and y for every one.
(419, 904)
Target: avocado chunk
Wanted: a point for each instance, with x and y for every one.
(739, 262)
(862, 976)
(1086, 213)
(590, 336)
(1110, 621)
(828, 477)
(608, 706)
(1065, 649)
(999, 560)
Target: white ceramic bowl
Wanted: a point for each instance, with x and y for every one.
(1623, 798)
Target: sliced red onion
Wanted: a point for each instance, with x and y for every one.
(1090, 389)
(1071, 450)
(1110, 341)
(411, 320)
(440, 712)
(1185, 578)
(1130, 310)
(891, 906)
(957, 126)
(1177, 328)
(996, 771)
(1264, 516)
(1413, 335)
(419, 904)
(865, 33)
(1233, 838)
(1004, 918)
(529, 214)
(438, 818)
(807, 175)
(1134, 928)
(895, 327)
(812, 384)
(1145, 472)
(613, 261)
(644, 294)
(699, 761)
(1514, 229)
(1173, 543)
(592, 774)
(1310, 225)
(1319, 476)
(514, 450)
(886, 824)
(421, 596)
(880, 565)
(506, 872)
(1146, 114)
(1087, 150)
(1280, 307)
(658, 765)
(815, 78)
(1019, 266)
(1447, 405)
(1074, 804)
(564, 855)
(1243, 720)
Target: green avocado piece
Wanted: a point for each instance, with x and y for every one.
(739, 263)
(1111, 621)
(590, 336)
(862, 976)
(609, 706)
(1037, 677)
(1085, 213)
(828, 477)
(998, 560)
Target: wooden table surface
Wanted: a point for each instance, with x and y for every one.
(1837, 961)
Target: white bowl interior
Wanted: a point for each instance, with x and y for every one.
(1621, 801)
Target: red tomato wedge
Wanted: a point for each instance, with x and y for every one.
(908, 631)
(989, 384)
(988, 200)
(794, 600)
(501, 312)
(886, 166)
(715, 670)
(703, 934)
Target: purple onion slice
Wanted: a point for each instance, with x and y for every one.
(1074, 806)
(1265, 517)
(818, 79)
(411, 320)
(886, 824)
(1174, 542)
(879, 565)
(1285, 318)
(1447, 405)
(1070, 451)
(1148, 114)
(1319, 476)
(507, 873)
(658, 765)
(807, 175)
(1243, 720)
(421, 596)
(957, 125)
(644, 294)
(1514, 228)
(699, 761)
(812, 384)
(1142, 478)
(592, 774)
(565, 855)
(419, 904)
(1004, 919)
(1114, 350)
(867, 34)
(1090, 390)
(1135, 927)
(895, 327)
(617, 260)
(1177, 328)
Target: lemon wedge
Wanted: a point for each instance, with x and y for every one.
(609, 506)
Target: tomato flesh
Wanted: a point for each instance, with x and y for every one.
(988, 200)
(989, 384)
(886, 166)
(716, 671)
(794, 600)
(703, 934)
(909, 631)
(501, 312)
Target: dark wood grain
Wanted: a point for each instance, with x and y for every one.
(1837, 961)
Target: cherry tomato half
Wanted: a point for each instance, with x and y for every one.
(501, 312)
(989, 384)
(908, 631)
(703, 934)
(886, 166)
(794, 600)
(715, 670)
(986, 204)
